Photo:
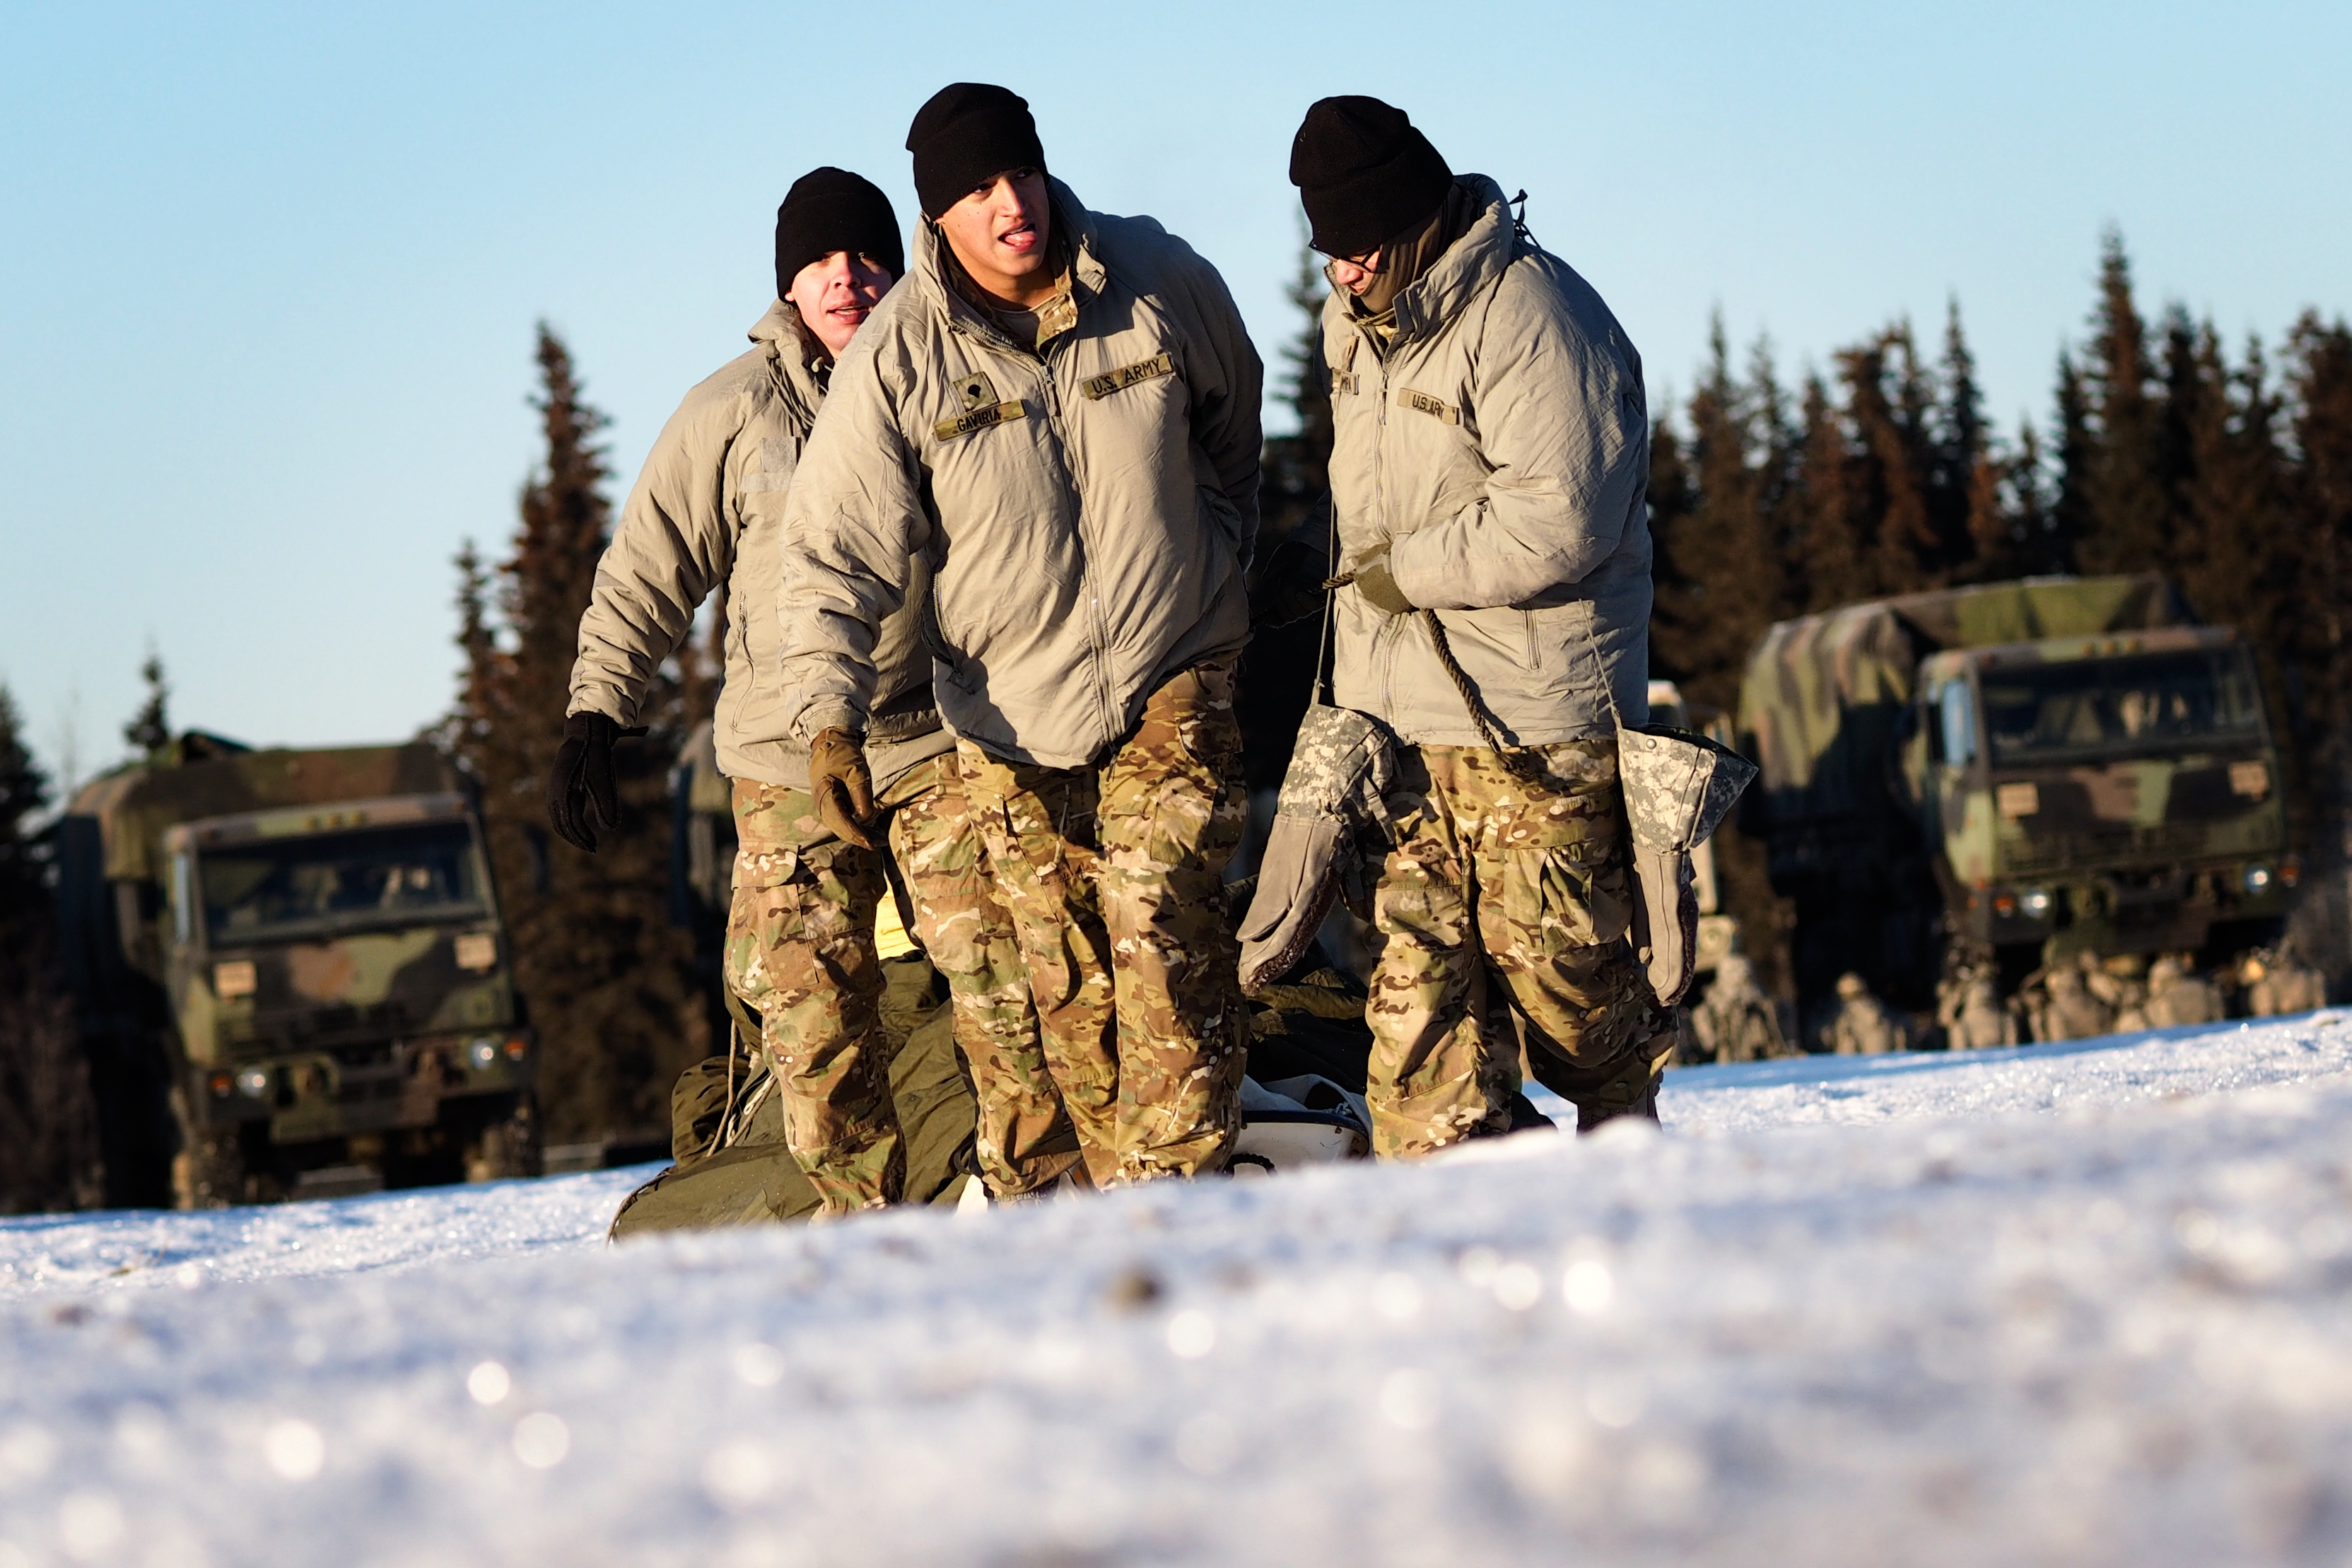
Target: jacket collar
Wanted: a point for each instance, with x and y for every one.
(1468, 266)
(1085, 275)
(798, 365)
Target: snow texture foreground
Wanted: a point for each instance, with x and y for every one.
(2087, 1303)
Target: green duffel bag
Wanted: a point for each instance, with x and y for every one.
(727, 1127)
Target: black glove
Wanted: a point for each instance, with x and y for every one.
(842, 786)
(1379, 588)
(582, 795)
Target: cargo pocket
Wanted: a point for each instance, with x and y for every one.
(769, 868)
(1207, 727)
(1559, 896)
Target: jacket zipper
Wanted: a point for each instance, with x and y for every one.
(1066, 458)
(1066, 451)
(1386, 631)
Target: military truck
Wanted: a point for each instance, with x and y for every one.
(290, 975)
(2010, 777)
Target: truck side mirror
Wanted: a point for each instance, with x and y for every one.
(1957, 713)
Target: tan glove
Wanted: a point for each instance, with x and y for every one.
(1379, 587)
(1666, 920)
(842, 786)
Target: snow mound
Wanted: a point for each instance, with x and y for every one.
(2080, 1303)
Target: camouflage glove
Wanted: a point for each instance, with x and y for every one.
(843, 787)
(1380, 588)
(582, 794)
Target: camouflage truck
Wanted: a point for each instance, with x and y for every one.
(290, 975)
(2010, 777)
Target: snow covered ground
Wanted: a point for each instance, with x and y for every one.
(2087, 1303)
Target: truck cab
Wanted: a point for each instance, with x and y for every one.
(2115, 794)
(300, 955)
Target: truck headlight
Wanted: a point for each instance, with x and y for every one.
(2034, 903)
(252, 1082)
(2258, 879)
(482, 1051)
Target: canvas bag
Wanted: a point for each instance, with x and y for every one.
(1331, 812)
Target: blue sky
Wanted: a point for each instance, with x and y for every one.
(271, 271)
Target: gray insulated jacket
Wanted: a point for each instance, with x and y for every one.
(1500, 449)
(1089, 507)
(707, 509)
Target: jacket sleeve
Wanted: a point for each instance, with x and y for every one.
(1228, 385)
(1563, 427)
(675, 543)
(853, 526)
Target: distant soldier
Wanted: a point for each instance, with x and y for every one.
(2278, 982)
(1970, 1009)
(1057, 414)
(2120, 983)
(1489, 463)
(1736, 1021)
(706, 515)
(1863, 1025)
(2178, 995)
(2065, 1008)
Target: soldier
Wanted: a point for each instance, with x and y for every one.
(1057, 412)
(1861, 1026)
(1736, 1022)
(2278, 982)
(2120, 983)
(2178, 995)
(1970, 1011)
(1488, 473)
(2066, 1009)
(704, 515)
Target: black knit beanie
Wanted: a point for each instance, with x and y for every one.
(831, 209)
(969, 133)
(1364, 175)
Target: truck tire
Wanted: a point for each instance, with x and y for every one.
(507, 1147)
(208, 1173)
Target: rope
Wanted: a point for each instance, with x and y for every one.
(1522, 763)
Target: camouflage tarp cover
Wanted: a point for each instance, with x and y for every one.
(134, 809)
(1820, 700)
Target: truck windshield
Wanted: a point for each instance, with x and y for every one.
(333, 881)
(2144, 703)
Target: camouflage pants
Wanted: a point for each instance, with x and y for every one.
(1023, 1136)
(1505, 908)
(1114, 879)
(800, 952)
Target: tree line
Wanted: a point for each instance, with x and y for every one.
(2230, 473)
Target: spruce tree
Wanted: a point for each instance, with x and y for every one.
(1718, 563)
(1276, 678)
(2028, 513)
(149, 730)
(1824, 540)
(48, 1138)
(2071, 504)
(2317, 482)
(1971, 481)
(1718, 504)
(604, 974)
(2129, 521)
(1298, 467)
(1886, 485)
